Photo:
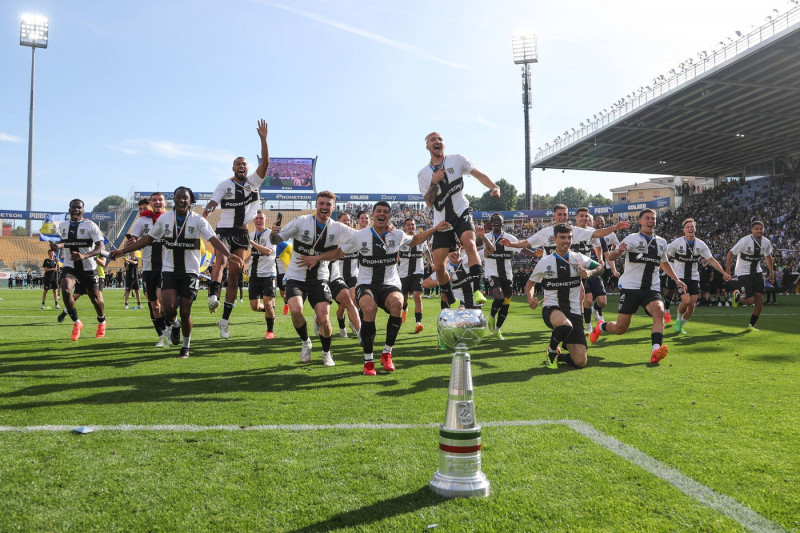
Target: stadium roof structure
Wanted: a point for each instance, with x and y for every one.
(736, 106)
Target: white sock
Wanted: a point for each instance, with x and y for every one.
(368, 357)
(187, 341)
(387, 348)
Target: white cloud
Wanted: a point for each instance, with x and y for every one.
(173, 150)
(5, 137)
(368, 35)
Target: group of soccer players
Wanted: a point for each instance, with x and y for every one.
(380, 267)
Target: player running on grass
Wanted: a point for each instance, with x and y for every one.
(639, 285)
(561, 275)
(685, 253)
(749, 252)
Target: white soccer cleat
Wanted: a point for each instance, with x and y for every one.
(213, 304)
(223, 329)
(160, 343)
(596, 315)
(305, 353)
(327, 360)
(343, 333)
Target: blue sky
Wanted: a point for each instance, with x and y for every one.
(151, 95)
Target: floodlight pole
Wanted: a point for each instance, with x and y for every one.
(29, 198)
(525, 53)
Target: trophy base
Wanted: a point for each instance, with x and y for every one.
(475, 486)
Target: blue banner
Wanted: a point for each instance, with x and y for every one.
(296, 196)
(597, 210)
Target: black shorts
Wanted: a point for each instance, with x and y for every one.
(411, 283)
(316, 291)
(50, 284)
(234, 238)
(447, 238)
(279, 282)
(351, 281)
(750, 284)
(88, 281)
(705, 285)
(132, 283)
(186, 284)
(379, 293)
(594, 286)
(259, 287)
(692, 286)
(505, 285)
(152, 281)
(576, 336)
(631, 299)
(338, 285)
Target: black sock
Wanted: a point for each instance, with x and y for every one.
(496, 307)
(73, 314)
(159, 331)
(476, 274)
(587, 315)
(341, 322)
(598, 308)
(214, 288)
(367, 336)
(501, 316)
(270, 323)
(418, 317)
(326, 343)
(227, 309)
(566, 358)
(392, 329)
(101, 319)
(558, 336)
(161, 324)
(62, 314)
(657, 338)
(753, 319)
(405, 307)
(302, 332)
(667, 302)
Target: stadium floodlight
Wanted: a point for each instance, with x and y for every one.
(526, 52)
(33, 32)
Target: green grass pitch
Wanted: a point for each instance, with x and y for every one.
(721, 410)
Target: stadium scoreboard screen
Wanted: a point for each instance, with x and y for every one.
(290, 174)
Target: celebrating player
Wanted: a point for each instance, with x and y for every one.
(263, 269)
(749, 252)
(442, 183)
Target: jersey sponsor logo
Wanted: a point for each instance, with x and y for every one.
(380, 261)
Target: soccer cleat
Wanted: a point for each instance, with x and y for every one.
(369, 368)
(667, 318)
(213, 304)
(587, 329)
(285, 309)
(327, 359)
(418, 328)
(305, 353)
(491, 323)
(223, 330)
(42, 307)
(659, 354)
(352, 328)
(175, 334)
(750, 327)
(58, 306)
(403, 316)
(126, 306)
(269, 335)
(343, 333)
(76, 330)
(160, 343)
(719, 304)
(61, 317)
(498, 334)
(677, 326)
(478, 298)
(184, 352)
(386, 361)
(595, 334)
(735, 299)
(101, 331)
(551, 361)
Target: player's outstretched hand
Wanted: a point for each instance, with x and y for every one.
(443, 225)
(533, 302)
(622, 224)
(494, 192)
(262, 128)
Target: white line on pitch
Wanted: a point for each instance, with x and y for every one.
(705, 495)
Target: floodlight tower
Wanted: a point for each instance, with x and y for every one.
(525, 53)
(33, 32)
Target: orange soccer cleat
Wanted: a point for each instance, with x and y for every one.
(76, 330)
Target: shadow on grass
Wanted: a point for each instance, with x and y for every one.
(376, 512)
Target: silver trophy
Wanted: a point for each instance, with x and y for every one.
(459, 473)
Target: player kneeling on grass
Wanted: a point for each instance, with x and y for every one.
(181, 231)
(561, 274)
(639, 285)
